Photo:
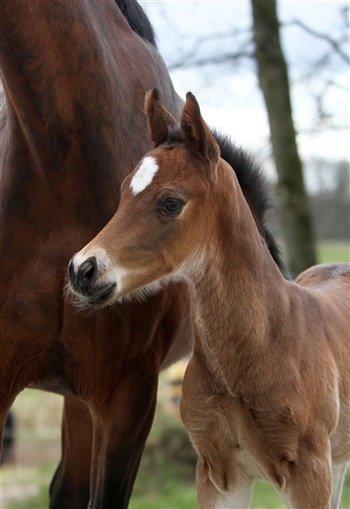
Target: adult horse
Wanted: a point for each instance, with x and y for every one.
(74, 76)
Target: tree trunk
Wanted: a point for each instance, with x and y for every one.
(274, 83)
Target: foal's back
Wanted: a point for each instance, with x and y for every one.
(330, 286)
(328, 282)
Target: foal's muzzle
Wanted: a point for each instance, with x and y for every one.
(83, 282)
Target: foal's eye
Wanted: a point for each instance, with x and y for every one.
(170, 206)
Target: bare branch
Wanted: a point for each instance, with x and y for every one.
(192, 57)
(188, 61)
(335, 45)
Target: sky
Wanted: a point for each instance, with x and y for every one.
(229, 95)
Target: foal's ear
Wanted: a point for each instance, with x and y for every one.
(196, 132)
(158, 117)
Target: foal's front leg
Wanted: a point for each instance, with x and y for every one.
(221, 481)
(310, 479)
(210, 495)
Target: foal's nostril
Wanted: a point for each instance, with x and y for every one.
(87, 272)
(71, 270)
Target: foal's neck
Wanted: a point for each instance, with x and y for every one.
(238, 290)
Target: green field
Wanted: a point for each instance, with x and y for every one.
(333, 251)
(176, 496)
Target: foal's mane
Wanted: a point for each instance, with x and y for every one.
(254, 185)
(137, 19)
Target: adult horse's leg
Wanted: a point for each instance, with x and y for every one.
(5, 405)
(123, 413)
(70, 486)
(116, 456)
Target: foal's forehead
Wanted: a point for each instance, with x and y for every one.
(163, 166)
(144, 174)
(154, 162)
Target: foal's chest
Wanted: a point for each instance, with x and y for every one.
(224, 433)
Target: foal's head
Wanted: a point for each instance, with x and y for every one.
(165, 221)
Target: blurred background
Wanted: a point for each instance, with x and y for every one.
(214, 49)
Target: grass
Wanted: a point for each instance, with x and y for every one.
(31, 484)
(333, 251)
(175, 494)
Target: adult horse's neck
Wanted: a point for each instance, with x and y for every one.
(238, 292)
(57, 73)
(74, 87)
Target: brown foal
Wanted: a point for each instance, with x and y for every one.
(266, 393)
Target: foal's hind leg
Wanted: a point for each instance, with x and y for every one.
(338, 472)
(214, 495)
